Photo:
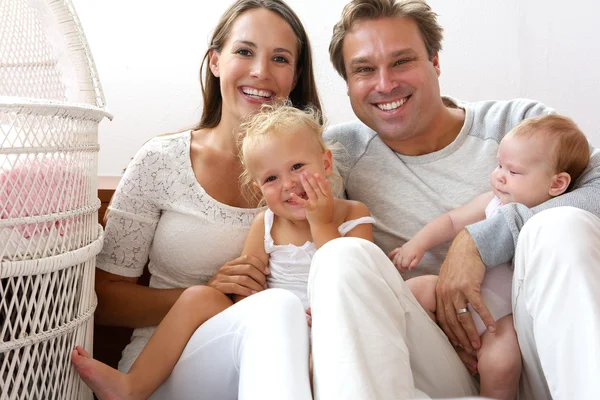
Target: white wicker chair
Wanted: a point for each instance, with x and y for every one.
(51, 104)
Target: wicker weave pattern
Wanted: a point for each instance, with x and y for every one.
(51, 104)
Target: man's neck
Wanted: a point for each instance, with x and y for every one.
(441, 132)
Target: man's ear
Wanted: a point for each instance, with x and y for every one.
(328, 162)
(436, 64)
(213, 62)
(560, 184)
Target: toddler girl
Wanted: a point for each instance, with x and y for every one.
(287, 163)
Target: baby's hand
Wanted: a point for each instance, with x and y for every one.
(407, 257)
(319, 206)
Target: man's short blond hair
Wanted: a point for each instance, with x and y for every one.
(571, 150)
(358, 10)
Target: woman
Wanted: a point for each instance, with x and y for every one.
(179, 206)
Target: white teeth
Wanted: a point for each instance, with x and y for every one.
(256, 92)
(391, 106)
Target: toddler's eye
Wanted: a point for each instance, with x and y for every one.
(270, 179)
(297, 166)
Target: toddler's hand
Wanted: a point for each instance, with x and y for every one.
(319, 206)
(407, 257)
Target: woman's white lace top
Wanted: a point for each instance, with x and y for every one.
(161, 213)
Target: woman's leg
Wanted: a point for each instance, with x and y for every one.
(370, 337)
(255, 349)
(155, 363)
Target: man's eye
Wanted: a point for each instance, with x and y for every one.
(297, 166)
(363, 70)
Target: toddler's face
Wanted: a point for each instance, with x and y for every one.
(524, 173)
(276, 165)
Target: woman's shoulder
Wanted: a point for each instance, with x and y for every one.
(167, 143)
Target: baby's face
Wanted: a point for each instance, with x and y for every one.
(524, 173)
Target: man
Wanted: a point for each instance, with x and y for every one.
(413, 156)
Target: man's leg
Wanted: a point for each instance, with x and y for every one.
(371, 338)
(556, 303)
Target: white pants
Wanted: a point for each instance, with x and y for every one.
(556, 305)
(256, 349)
(372, 340)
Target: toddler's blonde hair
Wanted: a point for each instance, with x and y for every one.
(279, 118)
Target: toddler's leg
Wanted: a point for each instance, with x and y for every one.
(154, 365)
(423, 288)
(500, 361)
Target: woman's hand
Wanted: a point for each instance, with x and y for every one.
(242, 276)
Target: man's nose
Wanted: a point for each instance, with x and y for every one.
(385, 81)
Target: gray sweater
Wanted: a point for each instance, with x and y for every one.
(404, 193)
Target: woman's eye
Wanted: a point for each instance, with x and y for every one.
(281, 59)
(244, 52)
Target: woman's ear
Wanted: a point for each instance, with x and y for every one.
(213, 62)
(560, 184)
(328, 162)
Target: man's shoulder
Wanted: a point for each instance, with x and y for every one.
(354, 137)
(349, 131)
(494, 118)
(519, 108)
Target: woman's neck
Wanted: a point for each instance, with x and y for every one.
(222, 137)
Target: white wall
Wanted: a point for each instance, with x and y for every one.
(148, 54)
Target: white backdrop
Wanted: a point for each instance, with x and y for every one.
(148, 55)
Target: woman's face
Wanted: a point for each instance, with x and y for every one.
(257, 63)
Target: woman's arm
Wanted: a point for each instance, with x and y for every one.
(122, 302)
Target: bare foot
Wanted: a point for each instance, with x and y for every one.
(106, 382)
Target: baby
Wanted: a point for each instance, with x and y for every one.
(539, 159)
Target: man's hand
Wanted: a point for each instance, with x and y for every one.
(459, 284)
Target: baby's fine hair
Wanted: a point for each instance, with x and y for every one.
(279, 118)
(571, 147)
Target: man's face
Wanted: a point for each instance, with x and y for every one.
(392, 83)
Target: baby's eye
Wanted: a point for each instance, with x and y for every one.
(514, 173)
(297, 166)
(270, 179)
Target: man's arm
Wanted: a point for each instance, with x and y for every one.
(496, 238)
